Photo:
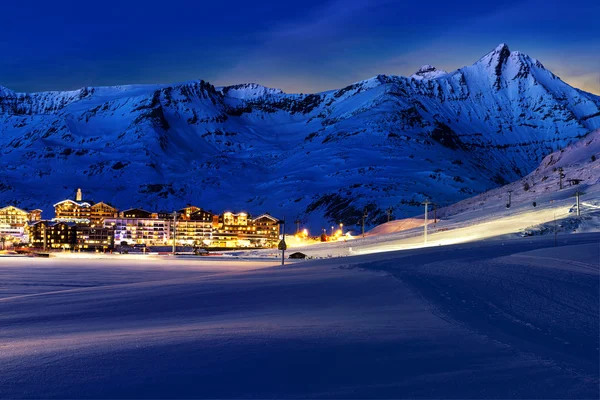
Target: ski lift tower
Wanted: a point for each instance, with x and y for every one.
(577, 194)
(426, 204)
(389, 213)
(282, 245)
(365, 214)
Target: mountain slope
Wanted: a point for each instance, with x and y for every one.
(579, 163)
(386, 141)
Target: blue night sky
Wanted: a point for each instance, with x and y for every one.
(304, 47)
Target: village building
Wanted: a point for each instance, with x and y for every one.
(35, 215)
(100, 211)
(77, 211)
(95, 238)
(52, 235)
(238, 230)
(231, 230)
(134, 230)
(194, 226)
(13, 223)
(83, 212)
(267, 229)
(297, 255)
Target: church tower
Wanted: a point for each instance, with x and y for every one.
(78, 198)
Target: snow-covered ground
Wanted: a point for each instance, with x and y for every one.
(488, 319)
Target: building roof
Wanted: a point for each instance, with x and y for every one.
(266, 216)
(80, 204)
(189, 207)
(16, 208)
(201, 212)
(105, 203)
(136, 209)
(51, 223)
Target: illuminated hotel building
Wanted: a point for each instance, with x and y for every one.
(13, 222)
(83, 211)
(148, 231)
(238, 230)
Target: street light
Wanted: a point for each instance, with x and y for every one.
(342, 228)
(332, 231)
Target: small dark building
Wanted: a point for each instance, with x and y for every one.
(298, 255)
(52, 235)
(201, 215)
(89, 238)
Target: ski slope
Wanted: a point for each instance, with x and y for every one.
(538, 206)
(476, 320)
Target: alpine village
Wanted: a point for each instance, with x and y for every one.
(84, 225)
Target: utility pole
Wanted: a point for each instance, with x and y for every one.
(555, 229)
(365, 214)
(509, 199)
(389, 213)
(435, 213)
(297, 226)
(426, 204)
(282, 245)
(174, 230)
(561, 175)
(577, 194)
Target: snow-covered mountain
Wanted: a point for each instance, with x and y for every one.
(324, 157)
(579, 165)
(428, 72)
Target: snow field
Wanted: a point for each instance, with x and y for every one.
(475, 320)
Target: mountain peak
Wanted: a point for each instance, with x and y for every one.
(496, 58)
(428, 72)
(249, 90)
(502, 47)
(5, 92)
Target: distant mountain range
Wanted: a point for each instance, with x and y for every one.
(324, 157)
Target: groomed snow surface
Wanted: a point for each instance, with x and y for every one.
(490, 319)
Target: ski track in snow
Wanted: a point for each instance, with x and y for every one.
(477, 320)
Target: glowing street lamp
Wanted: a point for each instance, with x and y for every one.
(332, 231)
(342, 228)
